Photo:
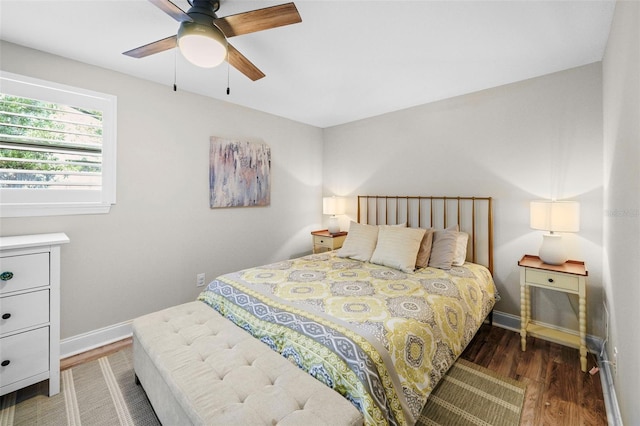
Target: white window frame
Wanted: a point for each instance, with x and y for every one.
(42, 202)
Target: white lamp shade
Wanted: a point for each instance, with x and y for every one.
(203, 45)
(555, 216)
(333, 205)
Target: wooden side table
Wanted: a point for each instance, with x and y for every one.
(569, 277)
(325, 241)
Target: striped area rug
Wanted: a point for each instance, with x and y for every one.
(473, 395)
(100, 392)
(103, 392)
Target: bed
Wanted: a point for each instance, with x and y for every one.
(363, 319)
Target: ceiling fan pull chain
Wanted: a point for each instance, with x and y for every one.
(175, 69)
(228, 90)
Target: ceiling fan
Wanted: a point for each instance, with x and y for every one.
(202, 36)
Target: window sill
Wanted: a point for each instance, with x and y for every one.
(52, 209)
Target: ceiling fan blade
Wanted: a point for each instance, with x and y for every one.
(172, 10)
(152, 48)
(258, 20)
(242, 64)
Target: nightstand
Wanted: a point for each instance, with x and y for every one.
(325, 241)
(569, 277)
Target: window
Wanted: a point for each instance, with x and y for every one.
(57, 148)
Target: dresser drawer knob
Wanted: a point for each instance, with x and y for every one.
(5, 363)
(6, 316)
(6, 276)
(550, 280)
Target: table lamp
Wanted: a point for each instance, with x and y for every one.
(333, 206)
(554, 216)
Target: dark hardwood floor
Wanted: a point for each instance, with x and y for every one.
(558, 393)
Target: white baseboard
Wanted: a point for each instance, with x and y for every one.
(614, 418)
(508, 321)
(512, 322)
(94, 339)
(594, 345)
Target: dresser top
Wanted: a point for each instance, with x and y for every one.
(35, 240)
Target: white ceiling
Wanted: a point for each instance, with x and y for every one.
(346, 61)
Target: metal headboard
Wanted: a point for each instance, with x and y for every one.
(472, 214)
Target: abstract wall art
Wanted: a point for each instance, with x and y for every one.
(239, 173)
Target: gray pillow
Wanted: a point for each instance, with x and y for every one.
(443, 249)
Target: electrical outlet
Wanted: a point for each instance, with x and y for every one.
(200, 279)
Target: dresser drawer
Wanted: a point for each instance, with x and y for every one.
(24, 310)
(24, 355)
(24, 272)
(552, 280)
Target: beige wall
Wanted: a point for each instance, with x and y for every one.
(621, 97)
(145, 254)
(534, 139)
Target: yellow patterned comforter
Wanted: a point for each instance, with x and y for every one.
(381, 337)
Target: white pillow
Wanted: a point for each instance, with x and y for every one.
(360, 242)
(460, 255)
(398, 247)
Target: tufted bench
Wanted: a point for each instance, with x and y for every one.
(199, 368)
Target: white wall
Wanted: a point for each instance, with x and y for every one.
(146, 253)
(538, 138)
(621, 97)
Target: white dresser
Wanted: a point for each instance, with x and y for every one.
(30, 311)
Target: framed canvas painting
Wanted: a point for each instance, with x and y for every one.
(239, 173)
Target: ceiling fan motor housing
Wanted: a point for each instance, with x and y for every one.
(200, 40)
(204, 7)
(203, 13)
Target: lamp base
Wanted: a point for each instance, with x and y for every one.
(334, 225)
(552, 250)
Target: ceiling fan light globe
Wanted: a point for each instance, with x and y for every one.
(203, 45)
